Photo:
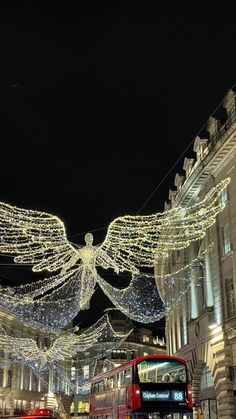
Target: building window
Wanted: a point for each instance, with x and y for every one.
(35, 383)
(224, 196)
(207, 378)
(72, 407)
(208, 288)
(72, 373)
(182, 325)
(86, 371)
(128, 376)
(26, 379)
(230, 298)
(17, 377)
(173, 259)
(83, 407)
(1, 377)
(119, 354)
(226, 239)
(234, 354)
(146, 338)
(133, 354)
(176, 337)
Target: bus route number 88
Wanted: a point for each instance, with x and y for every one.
(178, 396)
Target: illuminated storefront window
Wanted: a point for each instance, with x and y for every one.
(83, 406)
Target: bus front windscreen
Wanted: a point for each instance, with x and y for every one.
(161, 371)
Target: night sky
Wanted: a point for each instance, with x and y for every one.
(98, 102)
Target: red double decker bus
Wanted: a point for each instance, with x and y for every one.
(154, 386)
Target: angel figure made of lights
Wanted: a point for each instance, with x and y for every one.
(99, 337)
(132, 243)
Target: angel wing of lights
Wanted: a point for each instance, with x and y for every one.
(48, 305)
(132, 243)
(131, 300)
(99, 351)
(66, 346)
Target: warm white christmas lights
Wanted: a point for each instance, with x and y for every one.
(131, 243)
(64, 346)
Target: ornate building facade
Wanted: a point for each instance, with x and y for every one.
(202, 326)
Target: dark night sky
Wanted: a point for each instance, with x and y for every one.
(98, 102)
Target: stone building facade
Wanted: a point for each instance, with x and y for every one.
(202, 326)
(21, 390)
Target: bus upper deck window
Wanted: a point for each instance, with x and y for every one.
(161, 371)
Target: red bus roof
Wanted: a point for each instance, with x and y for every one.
(136, 361)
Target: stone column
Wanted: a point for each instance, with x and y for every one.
(30, 379)
(22, 377)
(225, 399)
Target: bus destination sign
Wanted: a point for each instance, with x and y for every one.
(165, 395)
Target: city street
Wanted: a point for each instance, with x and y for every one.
(117, 210)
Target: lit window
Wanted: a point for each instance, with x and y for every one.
(119, 354)
(145, 354)
(161, 370)
(72, 371)
(83, 407)
(86, 371)
(226, 239)
(145, 338)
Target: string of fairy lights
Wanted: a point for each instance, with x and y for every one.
(131, 243)
(64, 301)
(133, 246)
(64, 346)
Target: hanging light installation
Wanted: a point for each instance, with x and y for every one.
(132, 244)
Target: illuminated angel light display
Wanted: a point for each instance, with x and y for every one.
(132, 244)
(101, 337)
(55, 360)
